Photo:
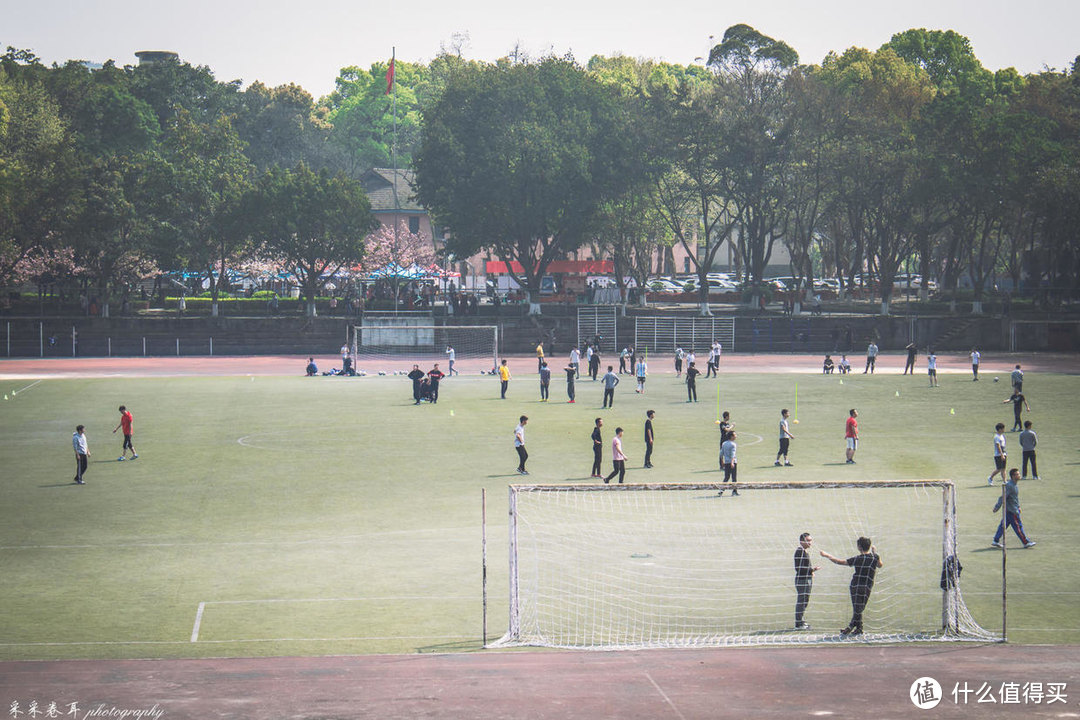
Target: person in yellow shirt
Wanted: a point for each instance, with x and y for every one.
(504, 376)
(539, 355)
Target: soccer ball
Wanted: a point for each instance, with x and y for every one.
(995, 379)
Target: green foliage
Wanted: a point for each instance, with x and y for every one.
(539, 146)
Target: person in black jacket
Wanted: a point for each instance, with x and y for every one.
(804, 579)
(416, 376)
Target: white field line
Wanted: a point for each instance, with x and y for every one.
(225, 642)
(338, 599)
(245, 543)
(16, 392)
(198, 622)
(746, 434)
(666, 698)
(202, 607)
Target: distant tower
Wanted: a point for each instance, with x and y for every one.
(149, 57)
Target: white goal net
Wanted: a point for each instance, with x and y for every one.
(395, 347)
(677, 565)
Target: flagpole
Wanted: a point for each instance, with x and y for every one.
(393, 154)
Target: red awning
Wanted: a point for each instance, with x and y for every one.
(579, 267)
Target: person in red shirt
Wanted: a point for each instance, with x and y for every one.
(851, 433)
(125, 423)
(435, 374)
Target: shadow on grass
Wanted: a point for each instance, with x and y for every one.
(71, 483)
(459, 646)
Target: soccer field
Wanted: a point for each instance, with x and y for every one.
(314, 516)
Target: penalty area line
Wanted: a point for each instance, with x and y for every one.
(198, 622)
(16, 392)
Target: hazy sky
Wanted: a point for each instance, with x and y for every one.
(308, 42)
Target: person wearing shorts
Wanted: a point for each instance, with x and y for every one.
(931, 368)
(1000, 456)
(851, 435)
(785, 439)
(126, 423)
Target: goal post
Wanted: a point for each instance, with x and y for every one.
(678, 565)
(399, 346)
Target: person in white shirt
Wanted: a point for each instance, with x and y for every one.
(82, 453)
(452, 356)
(575, 362)
(931, 370)
(999, 453)
(640, 372)
(785, 439)
(976, 358)
(618, 458)
(519, 444)
(871, 357)
(679, 355)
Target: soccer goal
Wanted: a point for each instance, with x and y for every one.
(397, 347)
(676, 565)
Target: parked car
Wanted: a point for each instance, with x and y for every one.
(664, 286)
(913, 281)
(827, 285)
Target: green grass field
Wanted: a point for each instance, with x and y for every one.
(331, 516)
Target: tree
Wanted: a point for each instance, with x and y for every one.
(882, 96)
(518, 158)
(757, 124)
(395, 248)
(362, 115)
(39, 186)
(282, 126)
(313, 224)
(692, 193)
(211, 173)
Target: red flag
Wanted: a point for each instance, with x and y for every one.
(390, 78)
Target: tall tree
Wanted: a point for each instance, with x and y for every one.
(757, 123)
(314, 224)
(537, 147)
(211, 174)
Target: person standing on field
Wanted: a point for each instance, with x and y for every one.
(851, 435)
(594, 363)
(571, 374)
(976, 358)
(691, 382)
(575, 361)
(82, 453)
(871, 357)
(126, 421)
(730, 463)
(1019, 403)
(618, 459)
(866, 564)
(539, 355)
(504, 378)
(545, 381)
(597, 449)
(931, 368)
(1017, 378)
(1028, 441)
(785, 438)
(1000, 455)
(649, 437)
(804, 579)
(519, 444)
(1011, 500)
(452, 356)
(679, 355)
(610, 381)
(641, 371)
(912, 352)
(416, 375)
